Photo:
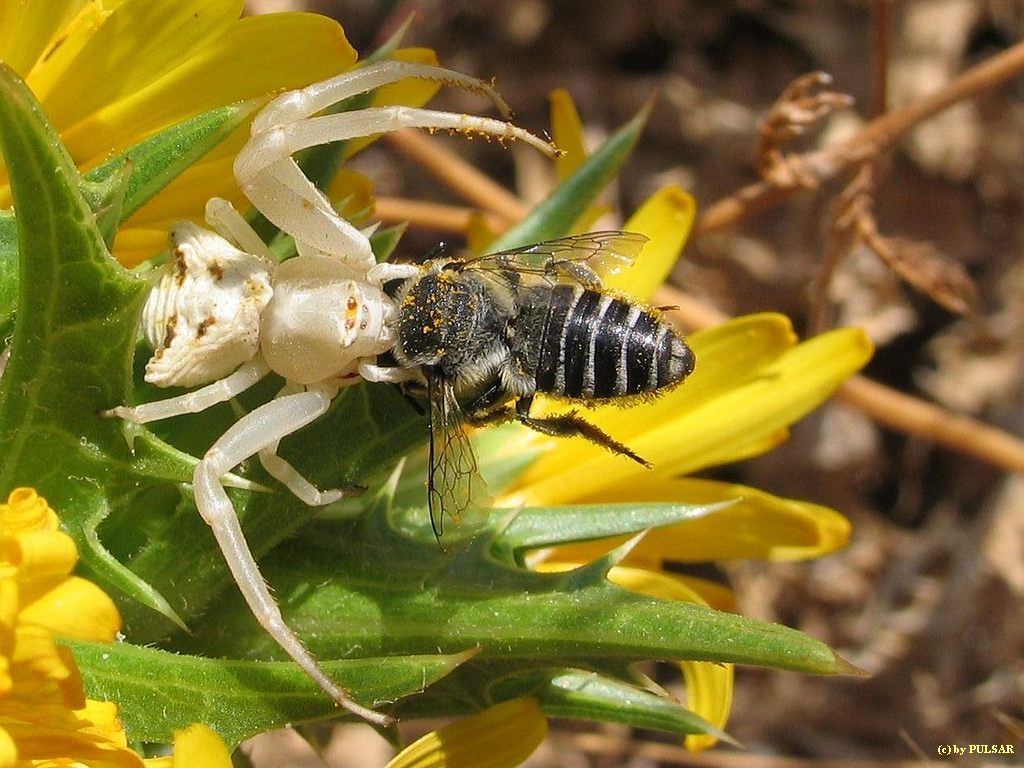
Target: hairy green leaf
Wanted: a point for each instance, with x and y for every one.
(159, 692)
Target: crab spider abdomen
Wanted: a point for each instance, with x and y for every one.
(202, 318)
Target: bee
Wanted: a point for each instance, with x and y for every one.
(489, 333)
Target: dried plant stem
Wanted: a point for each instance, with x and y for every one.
(474, 187)
(919, 417)
(433, 216)
(881, 46)
(875, 137)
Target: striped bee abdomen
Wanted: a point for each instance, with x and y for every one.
(593, 345)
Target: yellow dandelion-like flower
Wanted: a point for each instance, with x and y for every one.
(109, 74)
(45, 718)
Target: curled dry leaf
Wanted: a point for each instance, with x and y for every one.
(800, 107)
(917, 263)
(921, 265)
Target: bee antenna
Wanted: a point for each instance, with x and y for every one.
(437, 251)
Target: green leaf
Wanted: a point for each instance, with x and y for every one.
(157, 161)
(367, 430)
(74, 335)
(590, 696)
(122, 185)
(8, 274)
(554, 217)
(388, 593)
(159, 692)
(537, 527)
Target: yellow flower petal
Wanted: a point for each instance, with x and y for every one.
(40, 554)
(26, 510)
(48, 747)
(147, 34)
(104, 721)
(145, 234)
(8, 750)
(247, 61)
(36, 652)
(76, 609)
(26, 29)
(709, 690)
(653, 584)
(199, 746)
(566, 133)
(82, 22)
(736, 424)
(666, 218)
(756, 525)
(352, 193)
(10, 602)
(109, 74)
(501, 736)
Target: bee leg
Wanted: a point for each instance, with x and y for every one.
(480, 410)
(571, 425)
(489, 418)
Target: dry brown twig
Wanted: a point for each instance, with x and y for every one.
(917, 263)
(873, 138)
(853, 220)
(888, 406)
(801, 106)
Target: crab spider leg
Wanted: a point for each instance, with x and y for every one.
(232, 226)
(387, 271)
(257, 430)
(387, 374)
(284, 194)
(282, 471)
(305, 102)
(277, 187)
(265, 149)
(197, 400)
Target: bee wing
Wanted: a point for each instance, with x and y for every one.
(453, 482)
(584, 259)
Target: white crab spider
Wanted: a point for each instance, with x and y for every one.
(225, 314)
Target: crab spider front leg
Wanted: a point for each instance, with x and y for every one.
(305, 102)
(258, 430)
(276, 186)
